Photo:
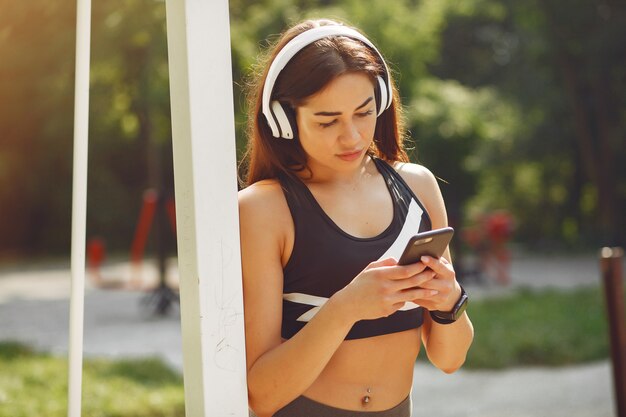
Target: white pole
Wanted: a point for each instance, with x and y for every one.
(79, 206)
(206, 208)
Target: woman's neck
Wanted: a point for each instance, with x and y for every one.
(349, 179)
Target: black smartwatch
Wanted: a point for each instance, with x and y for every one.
(448, 317)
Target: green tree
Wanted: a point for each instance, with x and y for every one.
(514, 105)
(563, 65)
(36, 85)
(130, 132)
(130, 140)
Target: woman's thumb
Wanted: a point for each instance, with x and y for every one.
(383, 262)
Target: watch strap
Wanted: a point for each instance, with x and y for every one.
(449, 317)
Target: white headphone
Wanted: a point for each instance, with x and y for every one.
(274, 112)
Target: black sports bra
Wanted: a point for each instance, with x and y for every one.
(325, 259)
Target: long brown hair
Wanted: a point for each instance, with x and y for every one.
(307, 73)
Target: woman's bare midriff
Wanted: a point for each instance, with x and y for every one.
(380, 368)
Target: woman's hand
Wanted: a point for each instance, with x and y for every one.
(443, 282)
(382, 288)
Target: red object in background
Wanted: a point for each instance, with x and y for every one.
(499, 226)
(171, 213)
(96, 252)
(146, 215)
(488, 237)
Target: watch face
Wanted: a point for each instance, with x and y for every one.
(460, 307)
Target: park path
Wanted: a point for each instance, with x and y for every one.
(34, 309)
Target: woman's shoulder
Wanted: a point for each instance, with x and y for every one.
(260, 190)
(417, 176)
(263, 204)
(262, 197)
(264, 219)
(424, 185)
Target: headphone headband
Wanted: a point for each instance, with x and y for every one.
(296, 45)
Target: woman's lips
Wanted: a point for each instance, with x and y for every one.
(350, 156)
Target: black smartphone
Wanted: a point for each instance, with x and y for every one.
(432, 243)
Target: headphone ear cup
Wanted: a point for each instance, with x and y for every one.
(285, 118)
(377, 96)
(290, 112)
(381, 96)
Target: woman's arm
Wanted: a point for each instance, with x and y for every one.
(446, 344)
(279, 372)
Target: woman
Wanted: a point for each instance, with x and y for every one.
(333, 324)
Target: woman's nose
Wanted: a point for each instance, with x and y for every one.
(350, 132)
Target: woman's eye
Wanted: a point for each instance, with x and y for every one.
(365, 114)
(329, 124)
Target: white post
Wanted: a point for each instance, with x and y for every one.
(79, 206)
(206, 208)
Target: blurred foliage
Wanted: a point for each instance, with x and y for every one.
(514, 105)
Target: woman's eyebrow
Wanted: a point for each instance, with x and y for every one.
(337, 113)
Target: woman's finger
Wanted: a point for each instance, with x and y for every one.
(444, 270)
(419, 295)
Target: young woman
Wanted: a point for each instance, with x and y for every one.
(333, 324)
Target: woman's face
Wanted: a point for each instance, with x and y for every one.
(336, 125)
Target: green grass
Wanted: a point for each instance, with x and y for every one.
(547, 328)
(35, 384)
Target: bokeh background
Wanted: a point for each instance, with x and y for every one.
(519, 107)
